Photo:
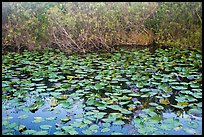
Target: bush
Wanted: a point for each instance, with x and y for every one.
(178, 24)
(75, 26)
(89, 26)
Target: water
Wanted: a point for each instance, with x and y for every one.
(118, 76)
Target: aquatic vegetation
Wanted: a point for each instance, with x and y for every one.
(124, 92)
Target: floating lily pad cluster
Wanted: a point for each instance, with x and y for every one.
(100, 91)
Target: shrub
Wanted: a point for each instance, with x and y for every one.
(89, 26)
(178, 24)
(74, 26)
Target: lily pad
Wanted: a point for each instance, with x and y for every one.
(41, 133)
(38, 120)
(87, 132)
(66, 119)
(116, 133)
(29, 132)
(50, 118)
(119, 122)
(98, 86)
(93, 127)
(59, 133)
(105, 130)
(192, 124)
(45, 127)
(23, 116)
(145, 90)
(160, 107)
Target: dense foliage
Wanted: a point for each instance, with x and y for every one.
(178, 24)
(84, 27)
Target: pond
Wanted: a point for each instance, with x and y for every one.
(123, 92)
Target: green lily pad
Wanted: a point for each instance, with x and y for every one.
(124, 111)
(180, 87)
(114, 107)
(119, 122)
(45, 127)
(93, 127)
(116, 133)
(106, 124)
(107, 120)
(190, 131)
(59, 133)
(86, 121)
(29, 132)
(124, 103)
(87, 132)
(145, 90)
(38, 120)
(50, 118)
(159, 107)
(23, 116)
(145, 95)
(98, 86)
(105, 130)
(196, 85)
(134, 95)
(153, 104)
(66, 119)
(13, 125)
(37, 79)
(41, 133)
(62, 97)
(192, 124)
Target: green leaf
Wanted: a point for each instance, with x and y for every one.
(195, 85)
(98, 86)
(124, 111)
(66, 119)
(134, 95)
(190, 131)
(37, 79)
(116, 133)
(124, 103)
(106, 124)
(132, 70)
(41, 133)
(59, 133)
(105, 130)
(23, 116)
(86, 121)
(87, 132)
(67, 128)
(114, 107)
(38, 120)
(192, 124)
(145, 90)
(45, 126)
(13, 125)
(29, 132)
(160, 107)
(119, 122)
(50, 118)
(93, 127)
(73, 132)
